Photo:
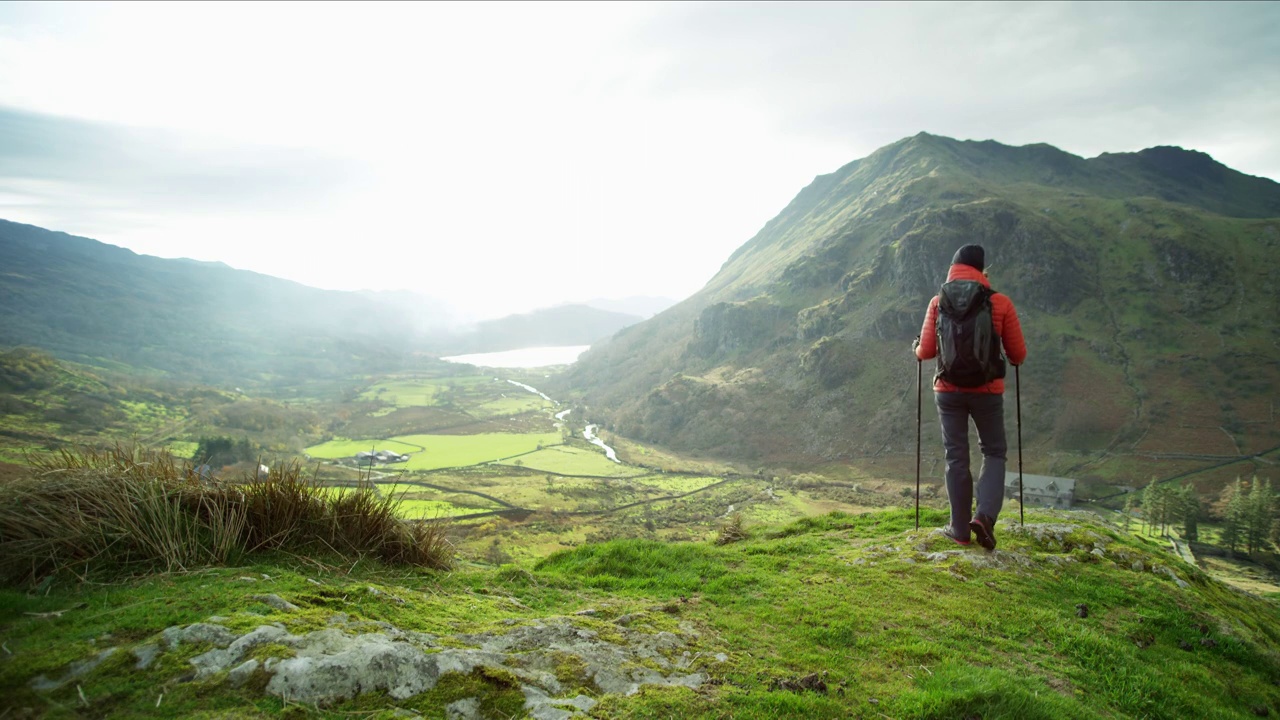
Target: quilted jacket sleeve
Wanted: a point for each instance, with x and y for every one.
(928, 348)
(1005, 318)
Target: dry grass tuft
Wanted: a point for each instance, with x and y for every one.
(732, 531)
(129, 509)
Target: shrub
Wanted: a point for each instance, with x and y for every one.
(732, 531)
(128, 509)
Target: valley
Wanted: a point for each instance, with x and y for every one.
(711, 508)
(479, 443)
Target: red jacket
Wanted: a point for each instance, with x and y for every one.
(1003, 317)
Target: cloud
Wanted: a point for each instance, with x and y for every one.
(93, 168)
(516, 155)
(1088, 77)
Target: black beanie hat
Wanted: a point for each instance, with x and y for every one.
(971, 255)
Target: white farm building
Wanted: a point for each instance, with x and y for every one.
(1055, 492)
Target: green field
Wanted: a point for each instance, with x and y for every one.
(443, 451)
(147, 417)
(403, 393)
(677, 484)
(342, 448)
(509, 406)
(431, 509)
(463, 501)
(182, 449)
(569, 460)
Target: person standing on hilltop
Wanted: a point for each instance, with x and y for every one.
(971, 330)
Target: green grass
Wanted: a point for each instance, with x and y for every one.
(852, 599)
(432, 452)
(444, 451)
(182, 449)
(431, 509)
(509, 406)
(676, 484)
(343, 448)
(404, 393)
(571, 460)
(417, 502)
(903, 632)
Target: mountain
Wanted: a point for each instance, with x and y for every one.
(646, 306)
(1147, 284)
(562, 325)
(100, 304)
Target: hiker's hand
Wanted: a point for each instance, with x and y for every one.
(915, 343)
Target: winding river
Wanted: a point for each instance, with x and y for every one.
(588, 433)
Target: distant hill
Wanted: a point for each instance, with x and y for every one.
(1148, 285)
(100, 304)
(562, 325)
(646, 306)
(103, 305)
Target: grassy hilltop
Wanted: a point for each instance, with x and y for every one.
(833, 616)
(179, 597)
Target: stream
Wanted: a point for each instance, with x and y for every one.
(588, 433)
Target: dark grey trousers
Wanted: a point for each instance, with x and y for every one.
(987, 411)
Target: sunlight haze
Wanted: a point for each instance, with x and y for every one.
(510, 156)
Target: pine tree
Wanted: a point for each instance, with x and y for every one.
(1189, 510)
(1159, 504)
(1258, 515)
(1275, 521)
(1151, 505)
(1131, 506)
(1233, 517)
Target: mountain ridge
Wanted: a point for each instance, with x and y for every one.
(804, 325)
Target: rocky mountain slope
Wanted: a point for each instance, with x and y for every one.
(1146, 283)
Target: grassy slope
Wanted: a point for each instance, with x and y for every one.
(46, 404)
(889, 632)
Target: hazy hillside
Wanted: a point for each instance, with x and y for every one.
(104, 305)
(1147, 283)
(645, 306)
(562, 325)
(98, 303)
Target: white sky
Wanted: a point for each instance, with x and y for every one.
(513, 156)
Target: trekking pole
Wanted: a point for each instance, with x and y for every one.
(1017, 378)
(919, 382)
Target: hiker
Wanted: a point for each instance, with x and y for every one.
(972, 387)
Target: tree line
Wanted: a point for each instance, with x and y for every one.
(1249, 512)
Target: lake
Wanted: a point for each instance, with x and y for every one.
(524, 358)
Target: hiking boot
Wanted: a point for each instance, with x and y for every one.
(983, 528)
(951, 533)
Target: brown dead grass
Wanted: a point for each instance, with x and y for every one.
(128, 509)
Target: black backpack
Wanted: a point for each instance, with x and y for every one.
(970, 353)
